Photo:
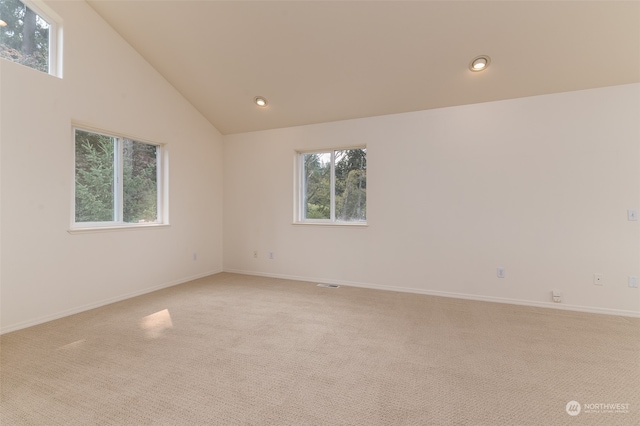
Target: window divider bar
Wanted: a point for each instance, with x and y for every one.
(302, 196)
(159, 187)
(119, 176)
(333, 186)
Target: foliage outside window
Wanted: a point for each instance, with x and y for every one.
(26, 36)
(334, 186)
(116, 180)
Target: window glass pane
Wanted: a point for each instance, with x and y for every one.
(140, 187)
(25, 37)
(317, 186)
(94, 177)
(351, 185)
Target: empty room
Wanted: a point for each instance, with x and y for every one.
(319, 212)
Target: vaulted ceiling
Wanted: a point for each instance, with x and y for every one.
(319, 61)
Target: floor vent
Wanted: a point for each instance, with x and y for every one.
(328, 285)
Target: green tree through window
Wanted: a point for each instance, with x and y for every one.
(24, 36)
(116, 179)
(317, 168)
(140, 184)
(334, 185)
(351, 185)
(95, 178)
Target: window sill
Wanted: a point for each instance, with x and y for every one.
(114, 228)
(335, 224)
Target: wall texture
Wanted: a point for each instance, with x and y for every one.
(47, 272)
(539, 186)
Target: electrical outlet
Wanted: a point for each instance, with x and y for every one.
(500, 272)
(633, 281)
(255, 254)
(556, 295)
(632, 214)
(598, 279)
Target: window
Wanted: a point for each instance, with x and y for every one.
(27, 35)
(117, 181)
(333, 186)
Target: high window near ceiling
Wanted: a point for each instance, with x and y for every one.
(29, 35)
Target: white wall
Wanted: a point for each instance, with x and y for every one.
(538, 185)
(47, 272)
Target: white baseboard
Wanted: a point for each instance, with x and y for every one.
(104, 302)
(83, 308)
(550, 305)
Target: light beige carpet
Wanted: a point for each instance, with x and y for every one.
(239, 350)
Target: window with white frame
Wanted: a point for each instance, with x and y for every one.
(333, 186)
(28, 35)
(118, 181)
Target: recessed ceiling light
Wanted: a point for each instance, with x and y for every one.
(2, 23)
(479, 63)
(260, 101)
